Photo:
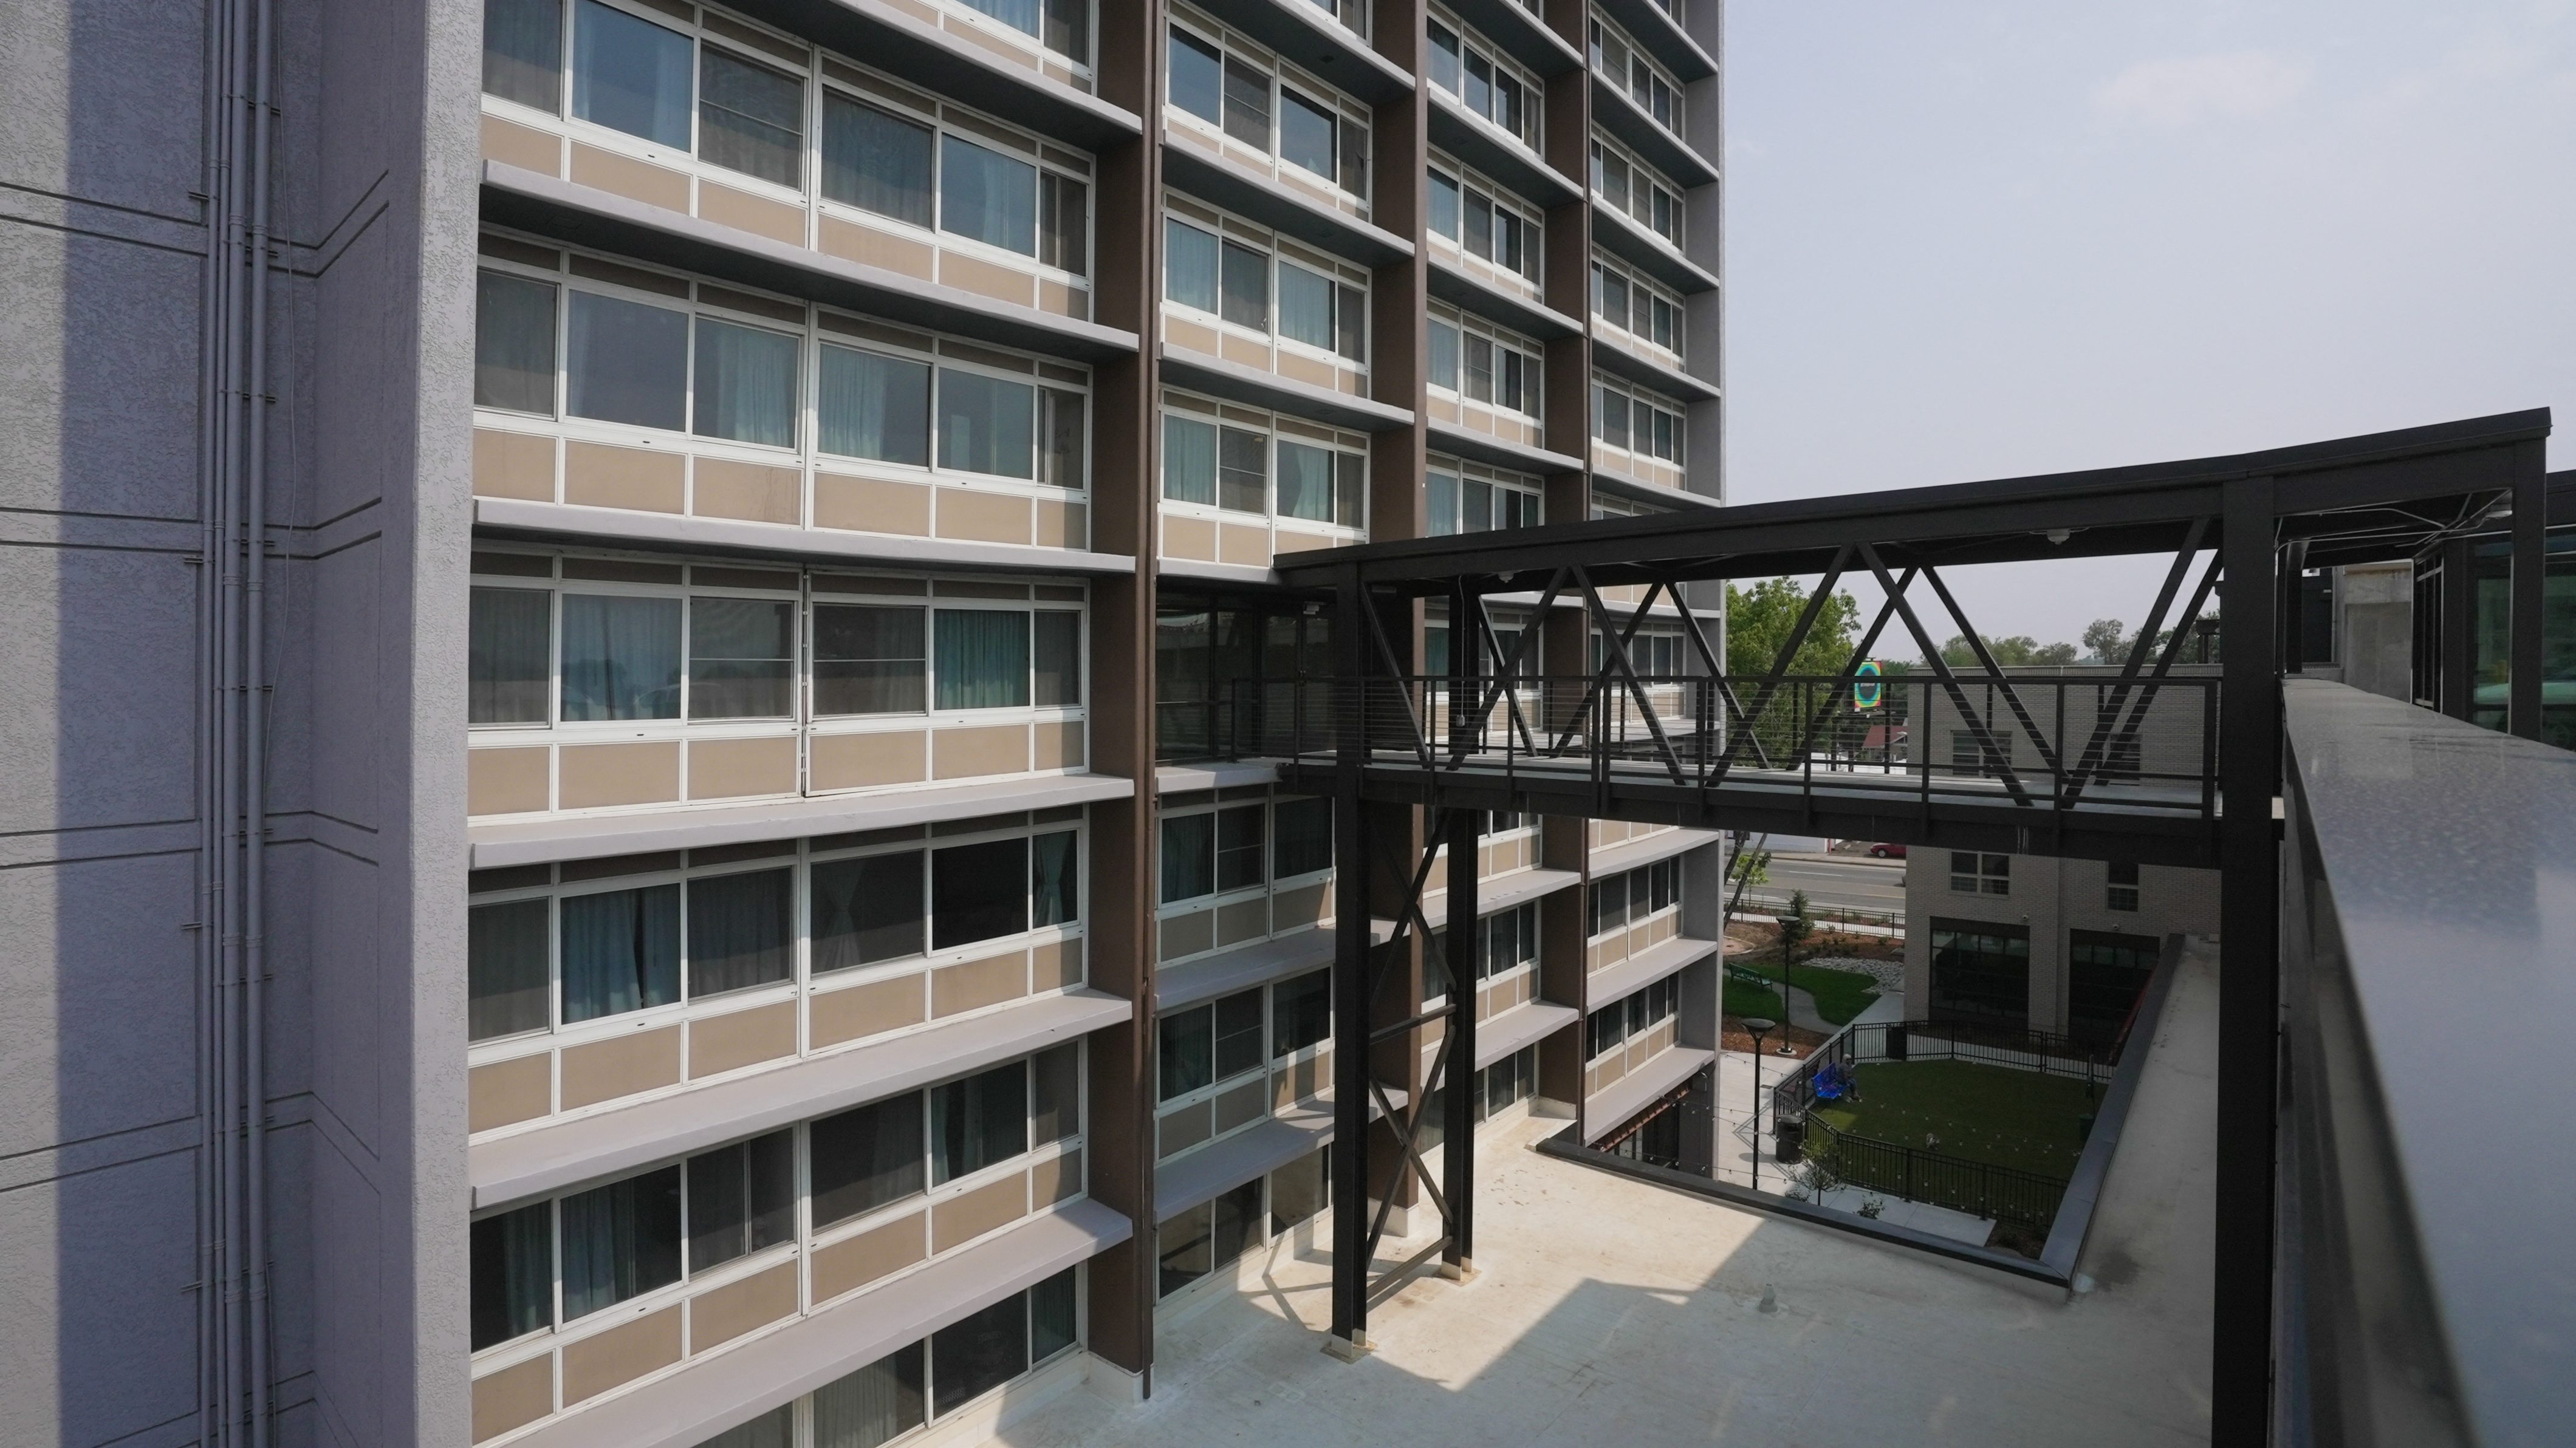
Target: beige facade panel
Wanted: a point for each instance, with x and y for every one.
(1056, 965)
(606, 1070)
(507, 781)
(1243, 920)
(1064, 301)
(1249, 547)
(983, 517)
(962, 1219)
(870, 247)
(860, 1011)
(1059, 746)
(638, 479)
(871, 505)
(1058, 1178)
(1243, 1103)
(1061, 525)
(1300, 1080)
(1190, 335)
(1309, 371)
(989, 749)
(620, 1355)
(630, 178)
(727, 207)
(718, 1317)
(1305, 905)
(975, 984)
(854, 1262)
(513, 1397)
(512, 144)
(1244, 352)
(1189, 538)
(1287, 540)
(736, 768)
(506, 1093)
(595, 776)
(1181, 1130)
(718, 1044)
(863, 761)
(513, 464)
(986, 279)
(1188, 934)
(748, 492)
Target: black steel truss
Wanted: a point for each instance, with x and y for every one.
(2257, 516)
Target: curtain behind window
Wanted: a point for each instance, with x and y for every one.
(979, 1121)
(621, 657)
(1189, 857)
(1054, 880)
(620, 1240)
(631, 75)
(523, 52)
(621, 951)
(739, 934)
(750, 118)
(986, 424)
(874, 1404)
(626, 362)
(988, 196)
(876, 160)
(1305, 481)
(979, 1354)
(746, 384)
(1189, 460)
(505, 969)
(866, 910)
(741, 658)
(865, 1159)
(874, 407)
(982, 658)
(514, 342)
(510, 1274)
(509, 657)
(773, 1429)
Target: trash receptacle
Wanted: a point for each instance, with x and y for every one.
(1789, 1140)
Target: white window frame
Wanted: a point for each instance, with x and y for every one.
(1278, 254)
(1473, 44)
(1640, 205)
(1196, 408)
(1533, 357)
(1603, 28)
(1636, 396)
(1503, 199)
(1235, 45)
(1605, 265)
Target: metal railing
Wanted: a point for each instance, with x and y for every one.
(1875, 1041)
(1999, 1193)
(2050, 742)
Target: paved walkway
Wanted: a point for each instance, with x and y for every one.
(1612, 1312)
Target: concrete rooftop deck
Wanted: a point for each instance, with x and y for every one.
(1611, 1312)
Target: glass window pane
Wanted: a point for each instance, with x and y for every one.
(978, 1122)
(1189, 857)
(874, 1405)
(739, 931)
(1182, 1249)
(1444, 356)
(1444, 57)
(1243, 473)
(510, 1274)
(1350, 489)
(1245, 287)
(1068, 28)
(621, 657)
(621, 951)
(876, 160)
(742, 1199)
(1444, 205)
(1442, 503)
(1058, 658)
(1247, 103)
(983, 658)
(1480, 225)
(1238, 1034)
(1185, 1062)
(750, 118)
(1306, 131)
(1189, 265)
(1197, 77)
(631, 75)
(746, 384)
(1355, 158)
(1475, 506)
(868, 660)
(865, 1159)
(988, 196)
(1235, 1223)
(1301, 1012)
(971, 1358)
(1189, 460)
(1300, 1190)
(1305, 306)
(986, 424)
(506, 969)
(628, 362)
(1301, 834)
(1305, 481)
(1057, 1081)
(1350, 324)
(871, 406)
(1055, 879)
(509, 656)
(1052, 1316)
(865, 910)
(620, 1241)
(523, 52)
(1061, 446)
(1020, 15)
(978, 892)
(742, 658)
(514, 343)
(1239, 838)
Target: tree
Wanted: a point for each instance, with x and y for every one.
(1749, 865)
(2018, 651)
(2106, 641)
(1759, 620)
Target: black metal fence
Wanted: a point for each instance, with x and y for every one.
(2002, 1193)
(1875, 1041)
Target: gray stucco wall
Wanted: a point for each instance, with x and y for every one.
(101, 274)
(2051, 897)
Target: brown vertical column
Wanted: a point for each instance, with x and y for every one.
(1567, 279)
(1399, 330)
(1126, 252)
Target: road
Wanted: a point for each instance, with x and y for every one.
(1838, 882)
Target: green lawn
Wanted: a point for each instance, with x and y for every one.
(1746, 999)
(1986, 1113)
(1840, 994)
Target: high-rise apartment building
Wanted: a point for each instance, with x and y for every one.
(633, 804)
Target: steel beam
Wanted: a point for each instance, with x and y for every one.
(1350, 972)
(2529, 578)
(1460, 952)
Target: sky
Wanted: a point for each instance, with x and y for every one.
(1988, 240)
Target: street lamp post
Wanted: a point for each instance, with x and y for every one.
(1759, 1028)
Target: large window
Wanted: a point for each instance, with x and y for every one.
(1636, 421)
(1981, 973)
(1194, 1244)
(1630, 1018)
(1295, 118)
(1972, 873)
(2121, 892)
(1484, 220)
(986, 183)
(1507, 1082)
(1625, 65)
(591, 949)
(1487, 82)
(1463, 497)
(1627, 299)
(1298, 471)
(1626, 183)
(1630, 896)
(1319, 304)
(1231, 848)
(1476, 361)
(2106, 973)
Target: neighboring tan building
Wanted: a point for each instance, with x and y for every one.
(630, 614)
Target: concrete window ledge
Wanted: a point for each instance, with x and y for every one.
(513, 516)
(540, 841)
(1638, 1089)
(1496, 893)
(1629, 854)
(1525, 1024)
(1242, 968)
(1200, 1175)
(1618, 982)
(725, 1390)
(614, 1143)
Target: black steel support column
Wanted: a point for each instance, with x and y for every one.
(2459, 645)
(2530, 563)
(2249, 763)
(1350, 966)
(2294, 609)
(1457, 1095)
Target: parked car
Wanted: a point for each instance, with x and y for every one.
(1886, 851)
